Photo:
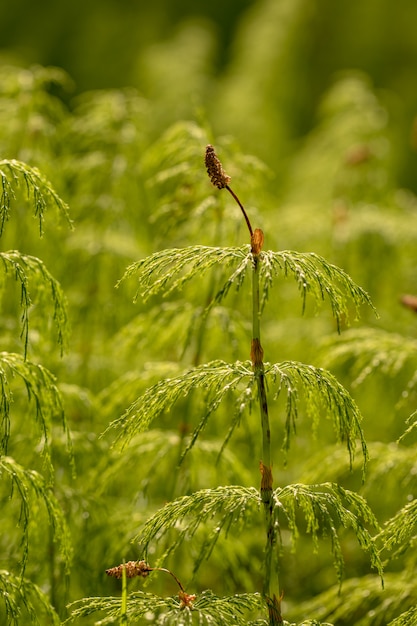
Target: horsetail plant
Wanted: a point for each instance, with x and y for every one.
(320, 508)
(28, 494)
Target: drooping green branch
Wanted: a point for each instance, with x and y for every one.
(15, 174)
(324, 509)
(30, 486)
(32, 275)
(43, 395)
(400, 532)
(20, 594)
(216, 378)
(228, 505)
(324, 394)
(370, 350)
(170, 270)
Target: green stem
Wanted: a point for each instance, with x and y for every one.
(271, 590)
(123, 611)
(258, 365)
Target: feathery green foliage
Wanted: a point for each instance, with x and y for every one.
(405, 619)
(15, 175)
(389, 464)
(32, 275)
(207, 609)
(217, 379)
(369, 350)
(323, 394)
(323, 507)
(362, 601)
(41, 389)
(31, 486)
(21, 598)
(400, 532)
(230, 504)
(411, 426)
(169, 270)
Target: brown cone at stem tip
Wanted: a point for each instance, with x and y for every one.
(221, 180)
(216, 173)
(132, 568)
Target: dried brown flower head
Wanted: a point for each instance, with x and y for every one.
(132, 568)
(216, 173)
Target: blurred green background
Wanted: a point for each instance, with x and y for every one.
(154, 45)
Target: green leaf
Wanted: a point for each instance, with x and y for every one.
(411, 421)
(170, 269)
(363, 601)
(368, 350)
(315, 276)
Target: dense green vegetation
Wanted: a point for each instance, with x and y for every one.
(142, 421)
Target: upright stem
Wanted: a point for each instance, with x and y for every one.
(258, 365)
(271, 590)
(123, 610)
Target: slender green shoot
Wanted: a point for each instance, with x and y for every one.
(123, 609)
(271, 587)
